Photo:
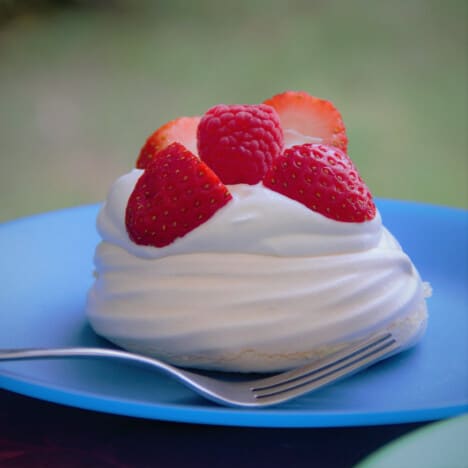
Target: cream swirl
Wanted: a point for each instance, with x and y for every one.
(264, 284)
(257, 220)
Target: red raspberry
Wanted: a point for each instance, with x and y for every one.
(324, 179)
(239, 142)
(175, 194)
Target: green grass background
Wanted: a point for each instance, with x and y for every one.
(82, 85)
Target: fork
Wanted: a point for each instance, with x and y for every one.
(259, 392)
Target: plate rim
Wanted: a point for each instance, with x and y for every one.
(216, 415)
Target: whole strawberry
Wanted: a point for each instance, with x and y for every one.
(175, 194)
(239, 142)
(182, 130)
(324, 179)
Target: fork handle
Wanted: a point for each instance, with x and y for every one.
(81, 352)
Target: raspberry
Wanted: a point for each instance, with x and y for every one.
(239, 142)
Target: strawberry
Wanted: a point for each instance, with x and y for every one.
(308, 119)
(182, 130)
(176, 193)
(239, 142)
(324, 179)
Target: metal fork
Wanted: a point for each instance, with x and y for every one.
(248, 393)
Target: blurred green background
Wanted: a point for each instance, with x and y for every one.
(82, 84)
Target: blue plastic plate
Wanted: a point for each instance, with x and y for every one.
(46, 270)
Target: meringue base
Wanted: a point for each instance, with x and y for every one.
(254, 313)
(264, 285)
(407, 331)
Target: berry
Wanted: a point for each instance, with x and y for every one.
(308, 119)
(182, 130)
(176, 193)
(324, 179)
(239, 142)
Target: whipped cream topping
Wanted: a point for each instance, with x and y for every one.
(293, 137)
(257, 220)
(263, 285)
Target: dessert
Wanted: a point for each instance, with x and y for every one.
(245, 240)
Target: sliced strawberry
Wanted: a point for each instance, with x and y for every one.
(239, 141)
(175, 194)
(308, 119)
(324, 179)
(182, 130)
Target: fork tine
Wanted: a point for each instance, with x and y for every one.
(307, 385)
(311, 377)
(317, 365)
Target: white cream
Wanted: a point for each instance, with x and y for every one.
(263, 285)
(257, 220)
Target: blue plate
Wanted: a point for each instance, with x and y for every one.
(46, 270)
